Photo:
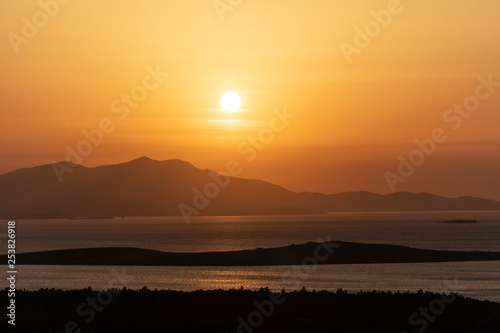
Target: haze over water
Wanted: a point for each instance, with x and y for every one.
(420, 230)
(224, 233)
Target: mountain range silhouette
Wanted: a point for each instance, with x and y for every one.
(146, 187)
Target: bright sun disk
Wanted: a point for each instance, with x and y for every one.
(230, 101)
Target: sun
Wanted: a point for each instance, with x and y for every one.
(230, 101)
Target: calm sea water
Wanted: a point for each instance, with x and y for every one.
(480, 280)
(417, 229)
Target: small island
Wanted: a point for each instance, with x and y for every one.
(459, 221)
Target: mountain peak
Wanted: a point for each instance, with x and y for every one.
(142, 159)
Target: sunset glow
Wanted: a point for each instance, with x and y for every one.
(250, 166)
(353, 118)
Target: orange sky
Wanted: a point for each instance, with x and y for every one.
(352, 120)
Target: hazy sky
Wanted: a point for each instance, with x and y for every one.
(353, 119)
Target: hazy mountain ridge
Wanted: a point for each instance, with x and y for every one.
(145, 187)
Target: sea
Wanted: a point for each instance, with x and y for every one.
(480, 280)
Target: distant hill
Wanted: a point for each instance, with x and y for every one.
(145, 187)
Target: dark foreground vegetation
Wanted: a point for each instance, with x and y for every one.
(259, 311)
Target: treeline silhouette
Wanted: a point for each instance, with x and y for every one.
(50, 310)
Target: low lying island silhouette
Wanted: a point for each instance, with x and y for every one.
(331, 252)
